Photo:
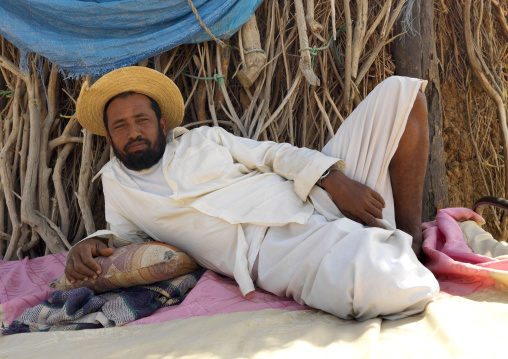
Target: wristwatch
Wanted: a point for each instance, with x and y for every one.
(326, 174)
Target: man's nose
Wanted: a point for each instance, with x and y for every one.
(134, 131)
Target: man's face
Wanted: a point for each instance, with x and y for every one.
(137, 137)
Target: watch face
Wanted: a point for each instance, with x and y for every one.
(325, 174)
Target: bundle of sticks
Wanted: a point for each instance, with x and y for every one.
(293, 73)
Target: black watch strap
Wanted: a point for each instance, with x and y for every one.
(326, 174)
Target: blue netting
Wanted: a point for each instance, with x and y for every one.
(96, 36)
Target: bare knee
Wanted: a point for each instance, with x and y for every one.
(415, 136)
(419, 112)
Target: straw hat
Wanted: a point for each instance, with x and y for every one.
(91, 101)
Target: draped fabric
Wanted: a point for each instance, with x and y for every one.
(81, 308)
(97, 36)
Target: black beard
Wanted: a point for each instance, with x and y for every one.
(142, 160)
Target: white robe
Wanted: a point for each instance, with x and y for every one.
(341, 266)
(227, 191)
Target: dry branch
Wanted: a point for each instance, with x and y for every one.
(315, 27)
(84, 180)
(305, 60)
(477, 70)
(6, 178)
(28, 213)
(501, 17)
(46, 161)
(255, 57)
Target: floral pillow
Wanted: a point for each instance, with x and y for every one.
(136, 264)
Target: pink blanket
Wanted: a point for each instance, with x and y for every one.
(24, 284)
(458, 270)
(213, 295)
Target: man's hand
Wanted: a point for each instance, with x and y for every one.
(80, 262)
(354, 199)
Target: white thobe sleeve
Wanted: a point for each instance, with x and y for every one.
(122, 231)
(301, 165)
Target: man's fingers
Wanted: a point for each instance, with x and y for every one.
(97, 248)
(69, 274)
(81, 264)
(70, 278)
(106, 252)
(379, 199)
(358, 202)
(88, 266)
(352, 217)
(371, 221)
(366, 219)
(374, 211)
(72, 274)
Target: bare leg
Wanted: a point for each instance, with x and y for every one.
(407, 172)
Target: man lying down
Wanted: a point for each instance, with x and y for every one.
(338, 230)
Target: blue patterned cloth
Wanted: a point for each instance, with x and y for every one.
(80, 308)
(97, 36)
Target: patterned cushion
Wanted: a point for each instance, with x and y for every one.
(136, 264)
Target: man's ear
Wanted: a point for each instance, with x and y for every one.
(108, 137)
(164, 125)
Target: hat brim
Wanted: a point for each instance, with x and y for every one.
(91, 101)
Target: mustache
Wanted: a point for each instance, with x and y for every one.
(137, 139)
